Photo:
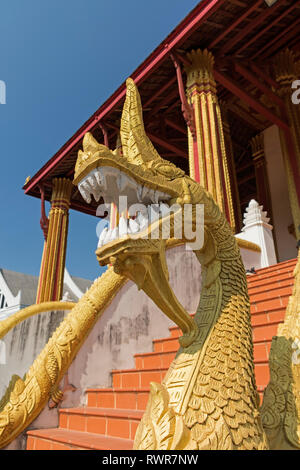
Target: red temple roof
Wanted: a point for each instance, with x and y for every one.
(243, 36)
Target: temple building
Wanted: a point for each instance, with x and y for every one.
(217, 102)
(18, 290)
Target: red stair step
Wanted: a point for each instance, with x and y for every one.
(166, 345)
(153, 360)
(62, 439)
(264, 333)
(268, 305)
(118, 398)
(276, 267)
(136, 378)
(256, 279)
(273, 291)
(261, 351)
(106, 421)
(262, 374)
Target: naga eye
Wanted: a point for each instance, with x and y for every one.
(167, 169)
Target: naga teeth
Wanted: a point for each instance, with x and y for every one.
(84, 192)
(139, 192)
(107, 236)
(100, 179)
(97, 182)
(122, 182)
(114, 234)
(123, 227)
(90, 186)
(151, 214)
(156, 197)
(145, 192)
(142, 220)
(102, 237)
(133, 226)
(94, 187)
(164, 209)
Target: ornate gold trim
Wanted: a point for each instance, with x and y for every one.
(248, 245)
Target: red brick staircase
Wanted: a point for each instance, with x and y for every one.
(110, 419)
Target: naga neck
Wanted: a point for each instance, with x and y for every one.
(209, 391)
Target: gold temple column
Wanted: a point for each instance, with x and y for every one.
(261, 175)
(51, 278)
(207, 152)
(231, 168)
(286, 73)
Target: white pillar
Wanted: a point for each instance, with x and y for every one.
(258, 230)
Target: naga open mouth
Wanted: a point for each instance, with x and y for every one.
(136, 206)
(144, 194)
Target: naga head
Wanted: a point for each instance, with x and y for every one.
(165, 206)
(142, 185)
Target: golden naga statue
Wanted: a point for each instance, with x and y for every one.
(208, 398)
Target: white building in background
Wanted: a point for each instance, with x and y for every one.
(18, 290)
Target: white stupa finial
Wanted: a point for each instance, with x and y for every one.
(255, 215)
(257, 230)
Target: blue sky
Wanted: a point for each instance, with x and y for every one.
(60, 61)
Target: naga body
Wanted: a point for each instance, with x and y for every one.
(208, 399)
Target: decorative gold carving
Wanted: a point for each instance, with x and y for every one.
(147, 267)
(161, 426)
(285, 69)
(281, 403)
(208, 399)
(248, 245)
(200, 70)
(207, 155)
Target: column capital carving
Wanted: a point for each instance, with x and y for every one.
(61, 192)
(200, 70)
(285, 69)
